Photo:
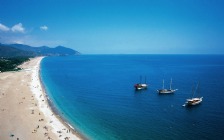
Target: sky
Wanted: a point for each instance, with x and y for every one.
(116, 26)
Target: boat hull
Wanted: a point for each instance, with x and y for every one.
(193, 101)
(140, 86)
(166, 91)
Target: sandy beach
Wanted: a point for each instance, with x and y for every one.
(24, 110)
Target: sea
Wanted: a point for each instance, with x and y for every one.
(95, 94)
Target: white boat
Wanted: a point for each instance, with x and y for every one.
(193, 100)
(141, 85)
(166, 91)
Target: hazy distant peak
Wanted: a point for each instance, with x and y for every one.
(11, 50)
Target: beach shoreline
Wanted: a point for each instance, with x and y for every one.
(24, 109)
(56, 111)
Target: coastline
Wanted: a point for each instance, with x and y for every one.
(55, 111)
(24, 108)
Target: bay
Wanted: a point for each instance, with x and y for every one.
(95, 94)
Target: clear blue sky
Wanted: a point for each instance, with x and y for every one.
(116, 26)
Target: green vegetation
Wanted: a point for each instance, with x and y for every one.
(10, 64)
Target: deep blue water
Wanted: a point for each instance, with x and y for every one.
(95, 94)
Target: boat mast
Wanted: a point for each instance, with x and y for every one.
(170, 83)
(163, 83)
(194, 90)
(145, 79)
(197, 88)
(140, 79)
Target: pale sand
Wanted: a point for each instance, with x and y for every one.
(24, 110)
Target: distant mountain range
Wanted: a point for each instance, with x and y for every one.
(14, 50)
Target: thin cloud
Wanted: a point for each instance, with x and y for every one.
(18, 28)
(4, 28)
(44, 28)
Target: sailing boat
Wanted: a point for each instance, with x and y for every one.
(166, 91)
(193, 101)
(141, 85)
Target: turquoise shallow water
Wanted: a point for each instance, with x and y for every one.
(95, 94)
